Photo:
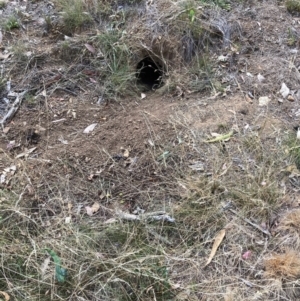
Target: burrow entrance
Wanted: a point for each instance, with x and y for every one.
(149, 73)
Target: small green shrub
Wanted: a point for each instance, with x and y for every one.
(12, 23)
(292, 38)
(293, 6)
(3, 4)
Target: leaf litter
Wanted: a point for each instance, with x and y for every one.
(91, 210)
(89, 128)
(217, 241)
(5, 295)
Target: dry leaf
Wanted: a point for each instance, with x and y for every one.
(62, 140)
(10, 169)
(298, 133)
(90, 128)
(68, 219)
(2, 178)
(222, 58)
(126, 153)
(218, 239)
(45, 265)
(260, 77)
(5, 295)
(111, 221)
(285, 91)
(143, 95)
(40, 128)
(26, 153)
(90, 48)
(6, 129)
(151, 142)
(91, 210)
(4, 56)
(215, 134)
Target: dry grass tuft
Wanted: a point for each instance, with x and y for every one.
(289, 227)
(286, 265)
(291, 221)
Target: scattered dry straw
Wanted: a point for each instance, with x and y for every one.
(283, 265)
(291, 221)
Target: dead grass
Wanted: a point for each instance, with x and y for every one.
(111, 258)
(283, 265)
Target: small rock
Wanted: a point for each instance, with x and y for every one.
(263, 101)
(290, 98)
(260, 77)
(284, 90)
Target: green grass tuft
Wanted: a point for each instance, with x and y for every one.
(74, 15)
(12, 23)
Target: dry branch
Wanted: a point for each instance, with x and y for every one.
(251, 223)
(16, 105)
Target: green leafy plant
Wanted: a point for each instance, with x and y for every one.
(60, 273)
(292, 38)
(192, 15)
(12, 23)
(293, 6)
(3, 4)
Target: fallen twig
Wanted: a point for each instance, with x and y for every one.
(16, 105)
(158, 216)
(250, 223)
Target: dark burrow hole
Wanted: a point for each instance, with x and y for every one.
(149, 74)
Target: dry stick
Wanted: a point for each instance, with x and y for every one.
(250, 223)
(12, 111)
